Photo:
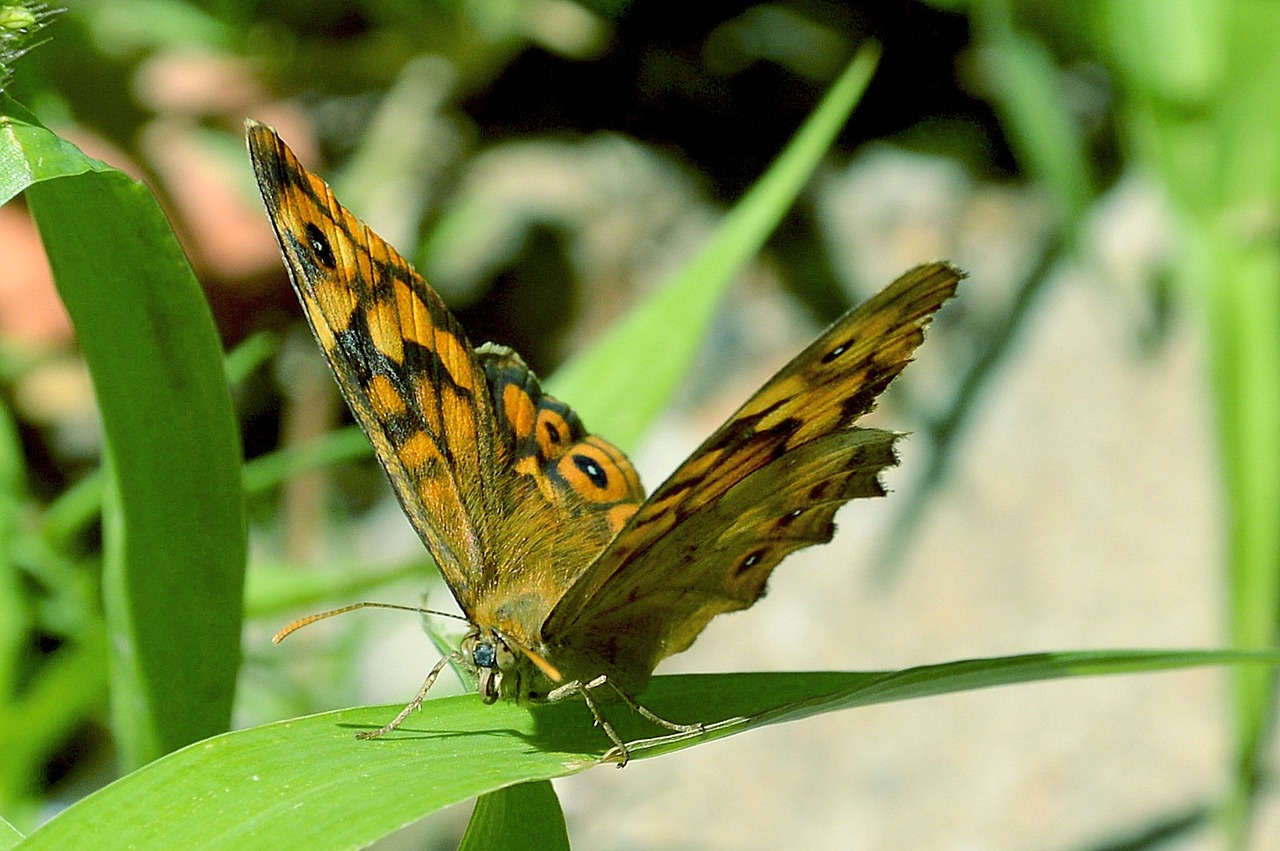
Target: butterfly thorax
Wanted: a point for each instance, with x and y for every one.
(507, 655)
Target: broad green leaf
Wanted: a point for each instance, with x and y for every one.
(29, 153)
(526, 815)
(173, 521)
(250, 789)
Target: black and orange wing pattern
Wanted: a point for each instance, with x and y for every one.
(505, 487)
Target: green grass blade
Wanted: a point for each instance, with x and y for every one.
(73, 511)
(249, 789)
(1036, 112)
(617, 386)
(1246, 362)
(16, 774)
(526, 815)
(271, 469)
(175, 535)
(1244, 321)
(271, 589)
(80, 504)
(14, 621)
(9, 835)
(1201, 113)
(68, 687)
(250, 355)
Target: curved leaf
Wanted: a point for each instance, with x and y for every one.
(173, 523)
(250, 789)
(526, 815)
(9, 835)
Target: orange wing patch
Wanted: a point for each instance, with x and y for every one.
(385, 398)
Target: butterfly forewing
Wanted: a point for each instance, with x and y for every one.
(505, 486)
(764, 484)
(403, 362)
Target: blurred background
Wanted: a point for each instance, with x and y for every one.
(1093, 456)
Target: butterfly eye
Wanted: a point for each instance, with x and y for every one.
(592, 470)
(320, 247)
(484, 655)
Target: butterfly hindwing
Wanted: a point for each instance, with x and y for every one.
(568, 493)
(764, 484)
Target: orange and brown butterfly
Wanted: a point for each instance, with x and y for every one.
(572, 581)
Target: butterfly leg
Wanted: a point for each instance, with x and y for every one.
(619, 749)
(414, 704)
(646, 714)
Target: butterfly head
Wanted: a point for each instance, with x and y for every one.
(491, 659)
(504, 668)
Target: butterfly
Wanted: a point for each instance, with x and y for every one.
(573, 582)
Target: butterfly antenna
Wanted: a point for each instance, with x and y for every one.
(319, 616)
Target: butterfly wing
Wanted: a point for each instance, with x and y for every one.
(403, 362)
(765, 484)
(510, 494)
